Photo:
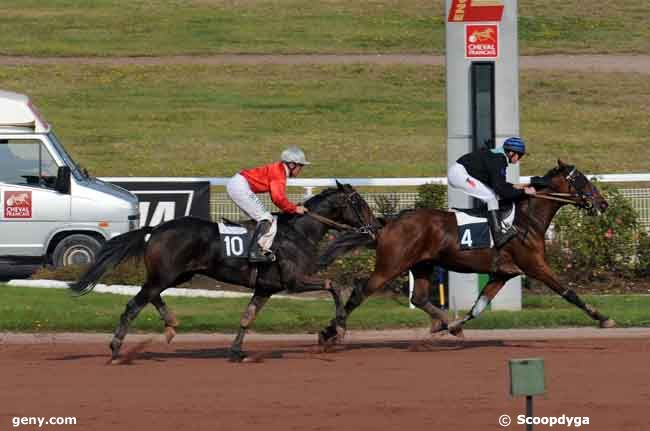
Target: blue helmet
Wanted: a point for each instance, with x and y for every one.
(515, 144)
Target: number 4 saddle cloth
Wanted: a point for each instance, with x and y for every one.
(473, 228)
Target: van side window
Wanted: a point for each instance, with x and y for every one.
(27, 162)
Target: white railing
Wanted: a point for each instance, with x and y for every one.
(222, 206)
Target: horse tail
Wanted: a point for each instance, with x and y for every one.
(344, 244)
(114, 251)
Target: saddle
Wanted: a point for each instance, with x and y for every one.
(481, 211)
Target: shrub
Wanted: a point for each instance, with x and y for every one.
(387, 204)
(594, 245)
(130, 272)
(432, 196)
(643, 255)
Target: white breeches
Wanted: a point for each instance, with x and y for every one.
(460, 179)
(242, 195)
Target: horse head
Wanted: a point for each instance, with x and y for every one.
(569, 180)
(343, 204)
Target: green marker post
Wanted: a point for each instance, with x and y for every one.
(527, 379)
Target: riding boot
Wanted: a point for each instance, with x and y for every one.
(500, 234)
(256, 254)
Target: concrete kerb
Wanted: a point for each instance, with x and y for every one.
(133, 290)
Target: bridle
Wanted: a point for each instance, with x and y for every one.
(352, 199)
(581, 198)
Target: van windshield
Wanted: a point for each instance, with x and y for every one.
(74, 169)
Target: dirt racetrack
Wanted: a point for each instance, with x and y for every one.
(375, 383)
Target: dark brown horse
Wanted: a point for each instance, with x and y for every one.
(420, 239)
(178, 249)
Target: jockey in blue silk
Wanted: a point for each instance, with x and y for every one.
(482, 174)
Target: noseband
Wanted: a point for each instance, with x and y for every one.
(579, 182)
(364, 228)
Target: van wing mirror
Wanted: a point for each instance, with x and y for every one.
(63, 180)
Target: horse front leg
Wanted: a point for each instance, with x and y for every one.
(313, 284)
(545, 274)
(168, 316)
(252, 309)
(488, 293)
(363, 288)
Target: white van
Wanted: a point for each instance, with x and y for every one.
(52, 211)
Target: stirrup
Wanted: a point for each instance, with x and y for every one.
(262, 257)
(502, 238)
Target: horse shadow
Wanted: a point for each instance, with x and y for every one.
(144, 351)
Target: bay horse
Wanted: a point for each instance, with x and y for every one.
(174, 251)
(420, 239)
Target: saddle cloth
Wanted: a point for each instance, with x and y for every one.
(473, 228)
(235, 240)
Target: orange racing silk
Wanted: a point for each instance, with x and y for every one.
(270, 178)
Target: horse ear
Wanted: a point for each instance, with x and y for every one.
(339, 185)
(560, 163)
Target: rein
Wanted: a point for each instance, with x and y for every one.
(341, 226)
(330, 222)
(559, 197)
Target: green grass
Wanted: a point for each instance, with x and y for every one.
(163, 27)
(352, 120)
(42, 310)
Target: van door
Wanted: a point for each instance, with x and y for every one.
(32, 210)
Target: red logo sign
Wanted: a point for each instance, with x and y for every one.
(481, 41)
(475, 10)
(18, 204)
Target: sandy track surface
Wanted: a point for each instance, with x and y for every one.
(363, 386)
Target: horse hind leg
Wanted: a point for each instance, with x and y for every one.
(422, 298)
(131, 311)
(167, 316)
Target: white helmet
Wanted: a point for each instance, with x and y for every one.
(294, 155)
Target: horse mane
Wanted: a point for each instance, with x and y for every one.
(311, 203)
(320, 197)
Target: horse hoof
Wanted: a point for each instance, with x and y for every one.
(237, 356)
(172, 320)
(327, 336)
(438, 326)
(456, 330)
(170, 333)
(608, 323)
(113, 361)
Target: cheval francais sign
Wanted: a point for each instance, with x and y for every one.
(475, 10)
(18, 204)
(481, 41)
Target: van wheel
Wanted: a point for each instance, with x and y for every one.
(76, 250)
